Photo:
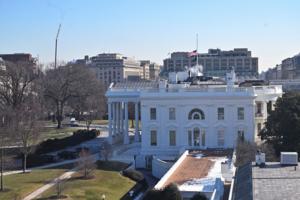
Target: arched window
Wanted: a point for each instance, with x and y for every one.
(196, 114)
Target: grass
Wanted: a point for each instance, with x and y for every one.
(51, 133)
(107, 180)
(18, 186)
(97, 122)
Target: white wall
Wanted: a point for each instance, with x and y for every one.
(160, 167)
(211, 124)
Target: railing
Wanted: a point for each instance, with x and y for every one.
(256, 89)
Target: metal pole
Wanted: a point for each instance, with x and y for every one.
(55, 53)
(1, 169)
(55, 61)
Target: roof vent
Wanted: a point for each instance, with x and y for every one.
(289, 158)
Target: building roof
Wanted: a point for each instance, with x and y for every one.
(276, 182)
(136, 85)
(243, 183)
(271, 182)
(197, 170)
(191, 168)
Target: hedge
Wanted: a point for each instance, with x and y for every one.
(133, 174)
(78, 137)
(38, 160)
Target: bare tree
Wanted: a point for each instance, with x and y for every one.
(94, 107)
(17, 82)
(27, 127)
(245, 152)
(106, 150)
(60, 186)
(86, 164)
(65, 83)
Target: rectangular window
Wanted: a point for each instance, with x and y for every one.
(259, 127)
(172, 114)
(259, 107)
(221, 139)
(196, 138)
(203, 138)
(152, 113)
(172, 138)
(190, 137)
(153, 138)
(241, 113)
(241, 134)
(220, 113)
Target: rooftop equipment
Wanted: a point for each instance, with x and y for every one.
(260, 159)
(289, 158)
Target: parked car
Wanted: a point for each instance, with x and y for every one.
(73, 122)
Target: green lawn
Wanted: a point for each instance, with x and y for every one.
(97, 122)
(110, 183)
(51, 133)
(20, 185)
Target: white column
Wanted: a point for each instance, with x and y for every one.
(109, 123)
(122, 117)
(136, 132)
(114, 118)
(118, 116)
(126, 136)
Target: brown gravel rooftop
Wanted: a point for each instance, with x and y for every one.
(190, 168)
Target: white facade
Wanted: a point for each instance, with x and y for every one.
(183, 116)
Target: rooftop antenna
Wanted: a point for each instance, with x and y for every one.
(55, 61)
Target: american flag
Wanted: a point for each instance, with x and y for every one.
(193, 53)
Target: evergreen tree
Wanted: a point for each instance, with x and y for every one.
(282, 128)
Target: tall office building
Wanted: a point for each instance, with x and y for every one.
(113, 67)
(154, 70)
(216, 62)
(150, 69)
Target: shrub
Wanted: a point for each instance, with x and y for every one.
(66, 155)
(38, 160)
(79, 149)
(170, 192)
(78, 137)
(133, 174)
(111, 165)
(106, 150)
(199, 196)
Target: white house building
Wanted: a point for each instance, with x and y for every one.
(196, 113)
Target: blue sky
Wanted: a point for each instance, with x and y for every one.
(150, 29)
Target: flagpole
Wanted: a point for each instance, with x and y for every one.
(197, 47)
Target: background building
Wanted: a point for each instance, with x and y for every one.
(287, 70)
(216, 62)
(287, 74)
(145, 64)
(18, 57)
(154, 71)
(114, 67)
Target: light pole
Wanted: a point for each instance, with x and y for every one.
(55, 61)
